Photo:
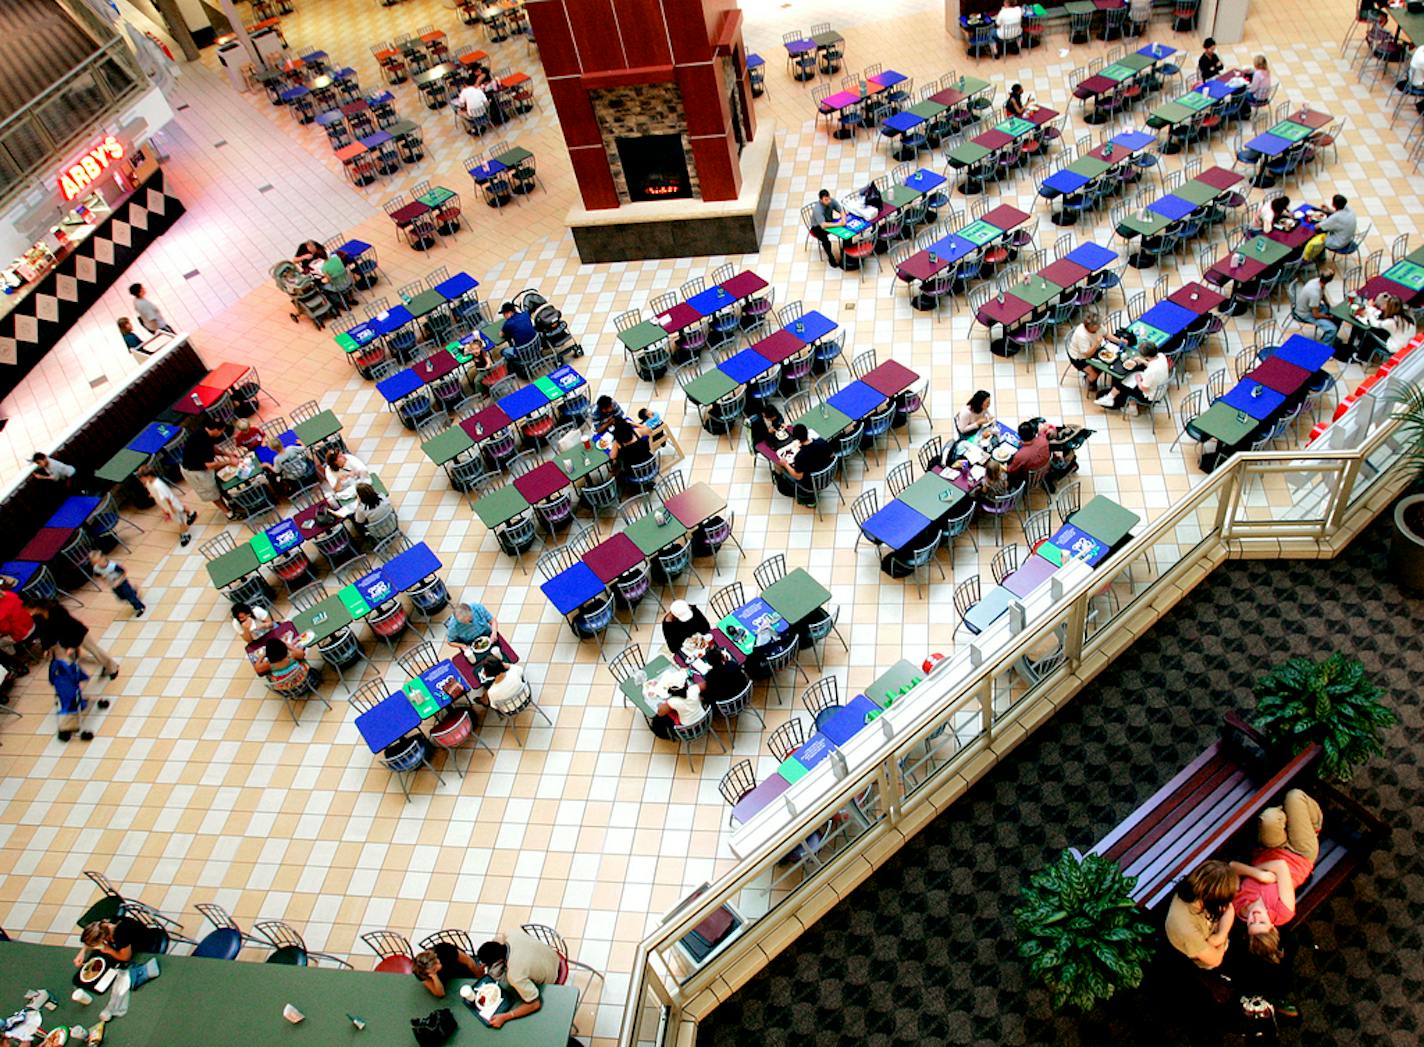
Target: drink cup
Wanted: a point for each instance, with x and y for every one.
(292, 1014)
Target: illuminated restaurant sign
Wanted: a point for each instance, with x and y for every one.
(84, 172)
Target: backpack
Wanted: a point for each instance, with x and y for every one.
(435, 1029)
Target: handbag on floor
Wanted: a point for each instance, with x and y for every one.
(435, 1028)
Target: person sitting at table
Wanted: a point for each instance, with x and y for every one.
(812, 456)
(201, 460)
(335, 278)
(521, 962)
(765, 422)
(1390, 328)
(121, 939)
(371, 508)
(309, 254)
(441, 962)
(507, 683)
(606, 411)
(682, 622)
(1150, 372)
(518, 326)
(285, 666)
(1209, 65)
(1267, 214)
(1339, 226)
(1014, 104)
(1008, 27)
(470, 622)
(630, 444)
(1083, 344)
(343, 472)
(291, 465)
(974, 415)
(724, 678)
(251, 622)
(1415, 73)
(481, 75)
(1033, 453)
(1312, 305)
(52, 470)
(1260, 89)
(996, 474)
(473, 101)
(685, 705)
(247, 436)
(826, 211)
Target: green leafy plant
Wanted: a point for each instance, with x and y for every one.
(1080, 930)
(1408, 399)
(1332, 702)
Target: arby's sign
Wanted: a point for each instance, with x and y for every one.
(76, 179)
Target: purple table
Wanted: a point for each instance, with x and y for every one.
(540, 482)
(754, 802)
(695, 504)
(1034, 572)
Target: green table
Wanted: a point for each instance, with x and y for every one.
(1117, 72)
(633, 690)
(317, 428)
(1147, 333)
(436, 196)
(239, 1003)
(1265, 250)
(1410, 274)
(900, 195)
(929, 108)
(550, 388)
(333, 613)
(425, 303)
(1135, 62)
(514, 157)
(1080, 7)
(120, 467)
(500, 506)
(652, 537)
(1105, 520)
(641, 335)
(1290, 130)
(231, 566)
(967, 154)
(1196, 101)
(448, 445)
(971, 85)
(1016, 126)
(579, 461)
(1225, 423)
(886, 688)
(237, 480)
(709, 387)
(825, 421)
(1198, 193)
(1090, 166)
(493, 331)
(1170, 113)
(1036, 291)
(829, 38)
(1136, 225)
(932, 496)
(1416, 256)
(980, 232)
(796, 596)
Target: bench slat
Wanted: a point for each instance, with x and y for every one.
(1152, 867)
(1180, 811)
(1202, 764)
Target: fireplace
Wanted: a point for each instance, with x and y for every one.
(654, 167)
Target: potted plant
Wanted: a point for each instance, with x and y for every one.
(1406, 550)
(1080, 930)
(1332, 702)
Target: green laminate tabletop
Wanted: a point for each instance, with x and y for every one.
(1265, 250)
(641, 335)
(425, 303)
(652, 537)
(967, 154)
(1105, 520)
(493, 330)
(1196, 101)
(796, 596)
(1135, 61)
(120, 467)
(1224, 423)
(230, 566)
(825, 420)
(238, 1003)
(1135, 224)
(437, 194)
(1080, 7)
(500, 506)
(932, 496)
(1117, 72)
(325, 618)
(890, 685)
(1198, 193)
(1089, 166)
(578, 462)
(448, 445)
(633, 689)
(317, 428)
(1172, 113)
(1036, 291)
(515, 156)
(900, 195)
(928, 108)
(709, 387)
(1416, 256)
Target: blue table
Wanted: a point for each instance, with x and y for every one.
(566, 378)
(856, 400)
(924, 180)
(903, 122)
(154, 438)
(399, 385)
(365, 332)
(1169, 317)
(889, 78)
(1078, 543)
(267, 456)
(314, 57)
(712, 300)
(837, 727)
(895, 524)
(952, 248)
(1173, 208)
(1133, 140)
(1244, 397)
(20, 570)
(572, 587)
(1216, 90)
(1066, 181)
(291, 94)
(375, 141)
(484, 172)
(1269, 144)
(811, 327)
(523, 402)
(1303, 352)
(1157, 51)
(409, 567)
(330, 117)
(745, 366)
(1091, 256)
(397, 316)
(455, 286)
(388, 721)
(73, 512)
(354, 248)
(755, 61)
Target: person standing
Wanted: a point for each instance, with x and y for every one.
(201, 460)
(521, 962)
(67, 679)
(148, 313)
(169, 502)
(58, 628)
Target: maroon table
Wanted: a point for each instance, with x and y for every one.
(732, 650)
(1097, 84)
(890, 378)
(919, 267)
(410, 212)
(699, 502)
(678, 317)
(744, 284)
(1280, 375)
(779, 346)
(284, 631)
(1065, 273)
(351, 109)
(45, 545)
(993, 139)
(1005, 217)
(1223, 270)
(436, 366)
(612, 557)
(1120, 154)
(540, 482)
(490, 421)
(1218, 178)
(1008, 312)
(1384, 285)
(1206, 299)
(1293, 238)
(1310, 118)
(1040, 115)
(467, 667)
(949, 96)
(1109, 5)
(306, 521)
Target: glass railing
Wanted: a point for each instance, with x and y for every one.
(41, 133)
(803, 854)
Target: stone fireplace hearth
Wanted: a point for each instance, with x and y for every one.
(653, 111)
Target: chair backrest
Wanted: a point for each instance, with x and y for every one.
(737, 782)
(217, 546)
(1005, 562)
(865, 506)
(279, 935)
(727, 599)
(450, 936)
(824, 694)
(770, 570)
(966, 595)
(900, 478)
(307, 597)
(388, 943)
(787, 738)
(626, 662)
(420, 658)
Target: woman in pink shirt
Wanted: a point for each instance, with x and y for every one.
(1290, 842)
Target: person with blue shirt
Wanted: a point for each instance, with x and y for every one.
(518, 326)
(470, 622)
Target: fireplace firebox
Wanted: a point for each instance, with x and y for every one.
(654, 167)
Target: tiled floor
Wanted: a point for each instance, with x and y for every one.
(198, 787)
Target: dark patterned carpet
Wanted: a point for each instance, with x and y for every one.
(924, 951)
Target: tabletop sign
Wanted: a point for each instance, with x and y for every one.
(1195, 100)
(283, 535)
(980, 232)
(354, 602)
(79, 176)
(422, 701)
(566, 378)
(374, 588)
(1408, 273)
(1076, 544)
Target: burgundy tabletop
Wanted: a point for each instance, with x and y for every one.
(1280, 375)
(1223, 270)
(1218, 178)
(919, 267)
(696, 504)
(353, 108)
(540, 482)
(733, 651)
(436, 366)
(1005, 217)
(779, 346)
(1094, 85)
(993, 139)
(1310, 118)
(743, 284)
(1384, 285)
(890, 378)
(1008, 312)
(1120, 154)
(306, 521)
(489, 420)
(949, 96)
(284, 631)
(1297, 237)
(1109, 5)
(409, 213)
(612, 557)
(1065, 273)
(678, 317)
(1040, 115)
(45, 545)
(1205, 301)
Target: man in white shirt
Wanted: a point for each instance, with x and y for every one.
(1311, 305)
(1416, 67)
(474, 101)
(1087, 338)
(148, 313)
(1008, 26)
(1147, 377)
(1339, 225)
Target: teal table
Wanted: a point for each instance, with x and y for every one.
(889, 685)
(238, 1003)
(447, 446)
(317, 428)
(1224, 423)
(825, 421)
(633, 690)
(334, 616)
(579, 461)
(932, 496)
(500, 506)
(652, 537)
(709, 387)
(641, 335)
(230, 566)
(120, 467)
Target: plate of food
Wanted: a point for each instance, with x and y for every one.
(306, 638)
(1107, 356)
(481, 645)
(56, 1038)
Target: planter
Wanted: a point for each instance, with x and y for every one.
(1406, 550)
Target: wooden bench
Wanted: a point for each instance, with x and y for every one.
(1209, 810)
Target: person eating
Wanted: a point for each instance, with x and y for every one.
(682, 622)
(812, 456)
(435, 966)
(1147, 377)
(470, 622)
(975, 415)
(520, 962)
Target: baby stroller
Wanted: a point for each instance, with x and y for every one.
(304, 291)
(549, 322)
